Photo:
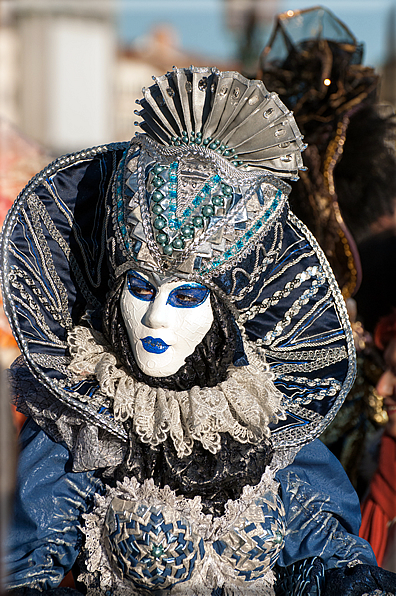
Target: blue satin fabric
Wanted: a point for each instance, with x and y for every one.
(44, 535)
(322, 511)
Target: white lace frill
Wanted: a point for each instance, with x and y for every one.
(243, 405)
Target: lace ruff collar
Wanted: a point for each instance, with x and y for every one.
(243, 405)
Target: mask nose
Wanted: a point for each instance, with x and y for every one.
(157, 315)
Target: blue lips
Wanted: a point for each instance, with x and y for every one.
(155, 345)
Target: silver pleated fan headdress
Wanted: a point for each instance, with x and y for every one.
(199, 195)
(231, 115)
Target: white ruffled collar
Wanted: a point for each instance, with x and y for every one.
(243, 405)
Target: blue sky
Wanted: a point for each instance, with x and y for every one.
(201, 28)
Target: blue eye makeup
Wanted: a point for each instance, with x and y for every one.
(185, 296)
(140, 287)
(188, 296)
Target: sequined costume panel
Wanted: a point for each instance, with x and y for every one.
(57, 262)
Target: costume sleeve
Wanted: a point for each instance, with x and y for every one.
(44, 533)
(322, 511)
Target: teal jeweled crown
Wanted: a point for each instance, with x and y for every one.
(197, 191)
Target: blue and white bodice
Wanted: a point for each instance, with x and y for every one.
(141, 537)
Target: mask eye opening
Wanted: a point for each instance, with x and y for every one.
(140, 288)
(188, 296)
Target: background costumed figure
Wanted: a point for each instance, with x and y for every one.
(315, 64)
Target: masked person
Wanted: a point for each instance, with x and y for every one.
(184, 343)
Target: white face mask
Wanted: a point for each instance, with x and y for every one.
(165, 321)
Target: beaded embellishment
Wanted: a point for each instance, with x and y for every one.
(188, 210)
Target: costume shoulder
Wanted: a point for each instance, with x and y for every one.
(322, 510)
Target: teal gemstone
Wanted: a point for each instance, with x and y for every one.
(157, 551)
(227, 153)
(167, 250)
(227, 190)
(187, 231)
(178, 243)
(158, 181)
(157, 209)
(278, 538)
(212, 146)
(162, 238)
(157, 168)
(207, 210)
(157, 196)
(160, 223)
(197, 221)
(217, 201)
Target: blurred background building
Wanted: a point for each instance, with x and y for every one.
(70, 70)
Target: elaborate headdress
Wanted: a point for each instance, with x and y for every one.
(315, 64)
(200, 196)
